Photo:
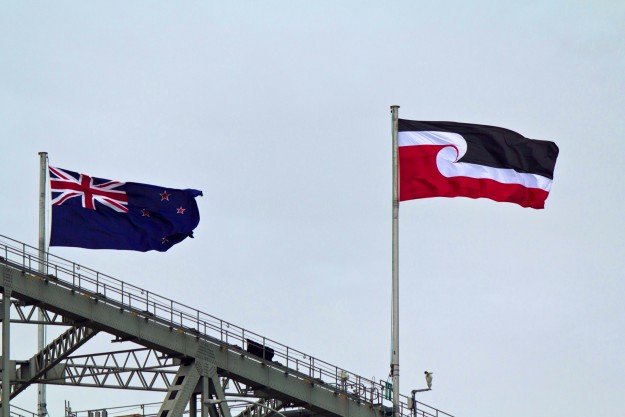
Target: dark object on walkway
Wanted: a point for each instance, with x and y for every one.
(259, 350)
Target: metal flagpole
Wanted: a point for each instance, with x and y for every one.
(6, 351)
(395, 298)
(43, 250)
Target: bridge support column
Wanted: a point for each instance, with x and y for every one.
(180, 391)
(219, 394)
(193, 405)
(207, 410)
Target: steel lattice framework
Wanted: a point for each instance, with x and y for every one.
(183, 352)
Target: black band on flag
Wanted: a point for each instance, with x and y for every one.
(495, 146)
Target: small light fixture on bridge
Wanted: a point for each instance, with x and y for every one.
(412, 401)
(428, 379)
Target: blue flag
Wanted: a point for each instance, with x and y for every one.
(95, 213)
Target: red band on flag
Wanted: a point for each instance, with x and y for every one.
(419, 177)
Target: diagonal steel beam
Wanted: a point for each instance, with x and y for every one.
(219, 393)
(51, 355)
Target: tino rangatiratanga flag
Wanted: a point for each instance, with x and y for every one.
(449, 159)
(96, 213)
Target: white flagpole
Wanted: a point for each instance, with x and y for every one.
(43, 250)
(395, 298)
(6, 351)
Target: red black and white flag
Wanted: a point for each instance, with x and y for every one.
(449, 159)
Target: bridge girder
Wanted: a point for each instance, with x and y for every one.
(199, 342)
(125, 322)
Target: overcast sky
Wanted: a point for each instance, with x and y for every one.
(279, 112)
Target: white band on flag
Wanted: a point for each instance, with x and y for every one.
(455, 148)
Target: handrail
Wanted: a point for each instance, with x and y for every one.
(184, 318)
(27, 413)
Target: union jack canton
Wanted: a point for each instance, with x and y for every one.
(65, 186)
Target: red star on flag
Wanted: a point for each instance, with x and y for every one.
(180, 210)
(145, 213)
(165, 240)
(165, 196)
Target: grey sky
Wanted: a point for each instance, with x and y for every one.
(279, 112)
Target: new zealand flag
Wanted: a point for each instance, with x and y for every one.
(95, 213)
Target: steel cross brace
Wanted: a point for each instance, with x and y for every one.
(135, 369)
(110, 377)
(27, 313)
(50, 356)
(125, 360)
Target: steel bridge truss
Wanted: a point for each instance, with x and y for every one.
(135, 369)
(200, 363)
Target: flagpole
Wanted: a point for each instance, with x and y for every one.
(43, 250)
(395, 297)
(6, 350)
